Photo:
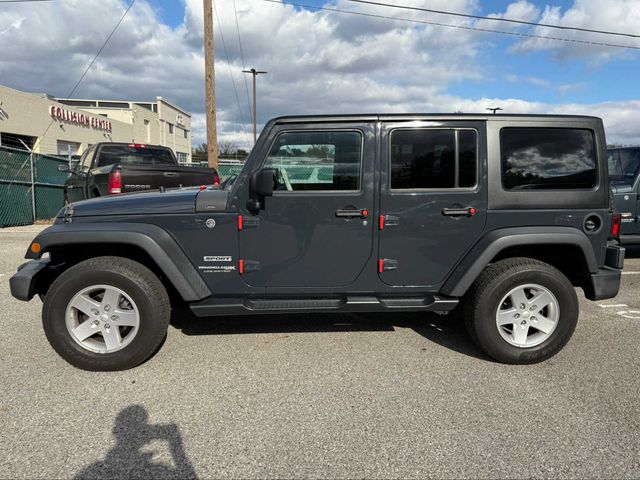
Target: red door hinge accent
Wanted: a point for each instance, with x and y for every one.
(380, 265)
(240, 222)
(381, 222)
(241, 266)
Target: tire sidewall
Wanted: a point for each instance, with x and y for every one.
(54, 320)
(487, 330)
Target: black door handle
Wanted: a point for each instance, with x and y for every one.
(459, 212)
(352, 213)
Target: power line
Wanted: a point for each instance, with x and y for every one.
(448, 25)
(233, 82)
(70, 94)
(246, 85)
(495, 19)
(23, 1)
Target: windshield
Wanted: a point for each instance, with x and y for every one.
(131, 155)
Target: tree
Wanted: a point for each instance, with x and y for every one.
(227, 148)
(199, 153)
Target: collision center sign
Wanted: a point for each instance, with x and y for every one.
(77, 118)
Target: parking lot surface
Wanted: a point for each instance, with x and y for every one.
(331, 396)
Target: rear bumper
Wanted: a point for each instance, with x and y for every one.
(23, 284)
(606, 282)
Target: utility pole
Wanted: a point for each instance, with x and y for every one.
(210, 86)
(255, 73)
(493, 109)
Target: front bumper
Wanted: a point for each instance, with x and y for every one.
(606, 282)
(25, 282)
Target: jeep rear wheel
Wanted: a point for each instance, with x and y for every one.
(521, 310)
(106, 313)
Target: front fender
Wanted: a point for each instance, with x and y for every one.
(495, 241)
(155, 241)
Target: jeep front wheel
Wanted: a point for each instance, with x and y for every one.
(106, 313)
(521, 310)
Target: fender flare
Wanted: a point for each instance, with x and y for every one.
(155, 241)
(495, 241)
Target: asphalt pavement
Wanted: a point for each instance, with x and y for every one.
(322, 396)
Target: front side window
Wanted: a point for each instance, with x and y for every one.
(311, 161)
(548, 158)
(433, 158)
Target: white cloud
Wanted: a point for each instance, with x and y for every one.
(616, 16)
(318, 62)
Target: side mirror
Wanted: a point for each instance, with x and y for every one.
(262, 181)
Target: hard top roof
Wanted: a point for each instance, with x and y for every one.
(426, 116)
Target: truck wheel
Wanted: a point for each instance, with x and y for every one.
(521, 310)
(106, 313)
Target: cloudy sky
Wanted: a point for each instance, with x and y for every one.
(333, 62)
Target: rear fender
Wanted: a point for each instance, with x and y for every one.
(496, 241)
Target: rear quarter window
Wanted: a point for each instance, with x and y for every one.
(548, 158)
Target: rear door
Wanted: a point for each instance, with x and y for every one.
(432, 200)
(315, 231)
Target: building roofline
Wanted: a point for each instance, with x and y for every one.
(181, 110)
(148, 102)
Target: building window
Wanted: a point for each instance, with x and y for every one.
(426, 158)
(147, 130)
(170, 128)
(548, 158)
(186, 134)
(66, 148)
(182, 157)
(15, 140)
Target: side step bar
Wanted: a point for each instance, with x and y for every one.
(239, 306)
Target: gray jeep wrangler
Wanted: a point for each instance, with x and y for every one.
(500, 216)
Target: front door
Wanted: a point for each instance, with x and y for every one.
(77, 184)
(316, 231)
(432, 199)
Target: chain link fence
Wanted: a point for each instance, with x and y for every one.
(31, 187)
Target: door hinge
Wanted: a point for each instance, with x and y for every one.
(248, 266)
(385, 264)
(389, 221)
(247, 222)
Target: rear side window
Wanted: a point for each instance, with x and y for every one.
(433, 158)
(548, 158)
(125, 155)
(316, 160)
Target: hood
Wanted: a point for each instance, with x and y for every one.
(620, 187)
(148, 203)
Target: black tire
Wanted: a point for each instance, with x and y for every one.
(140, 283)
(483, 300)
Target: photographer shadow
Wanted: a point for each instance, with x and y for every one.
(128, 460)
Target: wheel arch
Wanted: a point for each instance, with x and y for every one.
(148, 244)
(566, 248)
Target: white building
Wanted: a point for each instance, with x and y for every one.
(58, 125)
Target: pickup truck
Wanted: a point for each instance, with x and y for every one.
(111, 168)
(500, 217)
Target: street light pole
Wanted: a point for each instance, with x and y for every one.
(255, 73)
